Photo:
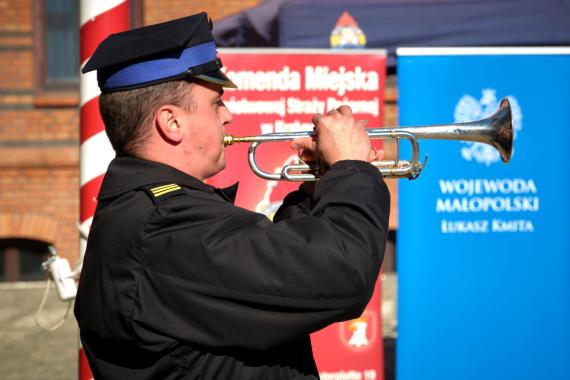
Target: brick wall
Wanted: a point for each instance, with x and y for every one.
(38, 179)
(15, 15)
(162, 10)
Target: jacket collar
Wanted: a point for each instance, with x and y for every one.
(128, 173)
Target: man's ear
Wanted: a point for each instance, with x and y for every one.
(168, 123)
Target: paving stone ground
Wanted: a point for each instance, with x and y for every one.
(28, 352)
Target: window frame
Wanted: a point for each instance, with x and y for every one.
(42, 89)
(13, 252)
(40, 60)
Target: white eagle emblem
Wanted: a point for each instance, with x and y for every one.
(470, 109)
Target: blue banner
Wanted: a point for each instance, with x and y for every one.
(483, 248)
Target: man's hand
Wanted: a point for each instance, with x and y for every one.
(338, 136)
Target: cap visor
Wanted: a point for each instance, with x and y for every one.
(217, 77)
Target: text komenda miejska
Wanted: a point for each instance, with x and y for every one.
(314, 78)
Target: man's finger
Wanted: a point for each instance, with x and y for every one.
(376, 155)
(345, 110)
(380, 154)
(372, 156)
(361, 123)
(304, 143)
(308, 155)
(316, 118)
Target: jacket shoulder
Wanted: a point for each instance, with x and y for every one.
(159, 192)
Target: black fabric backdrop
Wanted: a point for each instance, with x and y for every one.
(389, 24)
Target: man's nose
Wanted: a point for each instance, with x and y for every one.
(227, 116)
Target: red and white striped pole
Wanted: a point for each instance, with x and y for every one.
(98, 19)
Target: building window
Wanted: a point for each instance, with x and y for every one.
(57, 42)
(21, 260)
(61, 41)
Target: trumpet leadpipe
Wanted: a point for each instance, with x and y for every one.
(271, 137)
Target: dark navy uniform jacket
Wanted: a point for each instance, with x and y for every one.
(179, 283)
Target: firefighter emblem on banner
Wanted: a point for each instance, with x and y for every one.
(361, 333)
(347, 33)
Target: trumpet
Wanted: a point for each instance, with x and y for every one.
(495, 130)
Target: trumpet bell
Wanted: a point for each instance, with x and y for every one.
(502, 125)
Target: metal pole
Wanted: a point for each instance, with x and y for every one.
(98, 19)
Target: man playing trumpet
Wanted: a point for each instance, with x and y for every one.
(178, 282)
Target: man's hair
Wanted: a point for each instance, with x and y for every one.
(128, 115)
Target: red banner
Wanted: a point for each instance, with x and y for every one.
(352, 350)
(279, 91)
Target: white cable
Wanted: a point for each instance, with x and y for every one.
(40, 308)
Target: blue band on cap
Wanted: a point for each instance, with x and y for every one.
(156, 69)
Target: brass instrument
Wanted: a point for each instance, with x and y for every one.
(496, 130)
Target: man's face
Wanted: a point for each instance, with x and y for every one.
(206, 129)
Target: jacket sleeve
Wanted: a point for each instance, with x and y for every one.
(297, 203)
(219, 275)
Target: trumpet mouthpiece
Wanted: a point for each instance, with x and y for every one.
(228, 140)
